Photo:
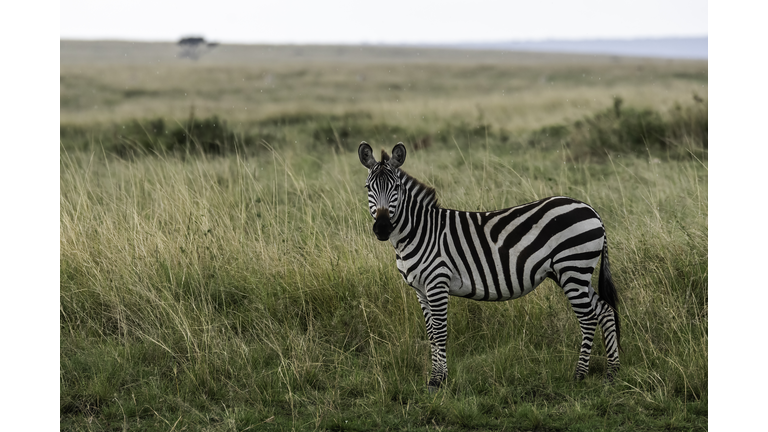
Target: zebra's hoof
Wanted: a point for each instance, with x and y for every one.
(578, 376)
(433, 385)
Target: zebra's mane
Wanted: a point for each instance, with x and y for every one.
(430, 195)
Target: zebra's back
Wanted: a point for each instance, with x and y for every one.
(505, 254)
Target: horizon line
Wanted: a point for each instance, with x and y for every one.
(382, 43)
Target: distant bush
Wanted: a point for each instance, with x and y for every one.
(344, 133)
(548, 134)
(210, 136)
(305, 117)
(348, 131)
(618, 130)
(689, 123)
(680, 133)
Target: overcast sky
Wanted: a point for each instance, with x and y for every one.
(394, 21)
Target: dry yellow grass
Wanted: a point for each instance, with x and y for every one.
(107, 82)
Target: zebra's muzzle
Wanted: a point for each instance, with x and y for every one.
(382, 227)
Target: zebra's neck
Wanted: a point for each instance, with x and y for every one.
(414, 188)
(417, 203)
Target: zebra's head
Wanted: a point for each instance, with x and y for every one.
(383, 184)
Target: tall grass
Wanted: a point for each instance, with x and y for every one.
(247, 291)
(218, 269)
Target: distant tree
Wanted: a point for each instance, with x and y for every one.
(194, 46)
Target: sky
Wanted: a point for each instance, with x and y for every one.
(391, 22)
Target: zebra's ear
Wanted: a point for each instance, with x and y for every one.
(398, 156)
(366, 155)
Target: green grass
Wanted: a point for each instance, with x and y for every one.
(244, 289)
(224, 292)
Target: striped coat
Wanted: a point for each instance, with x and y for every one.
(491, 256)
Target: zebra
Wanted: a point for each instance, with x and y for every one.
(491, 256)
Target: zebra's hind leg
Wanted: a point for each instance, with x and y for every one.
(610, 336)
(581, 298)
(588, 323)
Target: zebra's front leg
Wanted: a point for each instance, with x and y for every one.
(435, 308)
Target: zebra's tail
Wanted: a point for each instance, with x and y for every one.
(607, 290)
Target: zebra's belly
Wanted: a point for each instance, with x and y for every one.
(486, 285)
(488, 288)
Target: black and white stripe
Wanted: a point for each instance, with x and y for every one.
(491, 256)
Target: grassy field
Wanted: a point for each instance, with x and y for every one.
(243, 84)
(218, 269)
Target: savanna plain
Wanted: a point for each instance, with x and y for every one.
(217, 265)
